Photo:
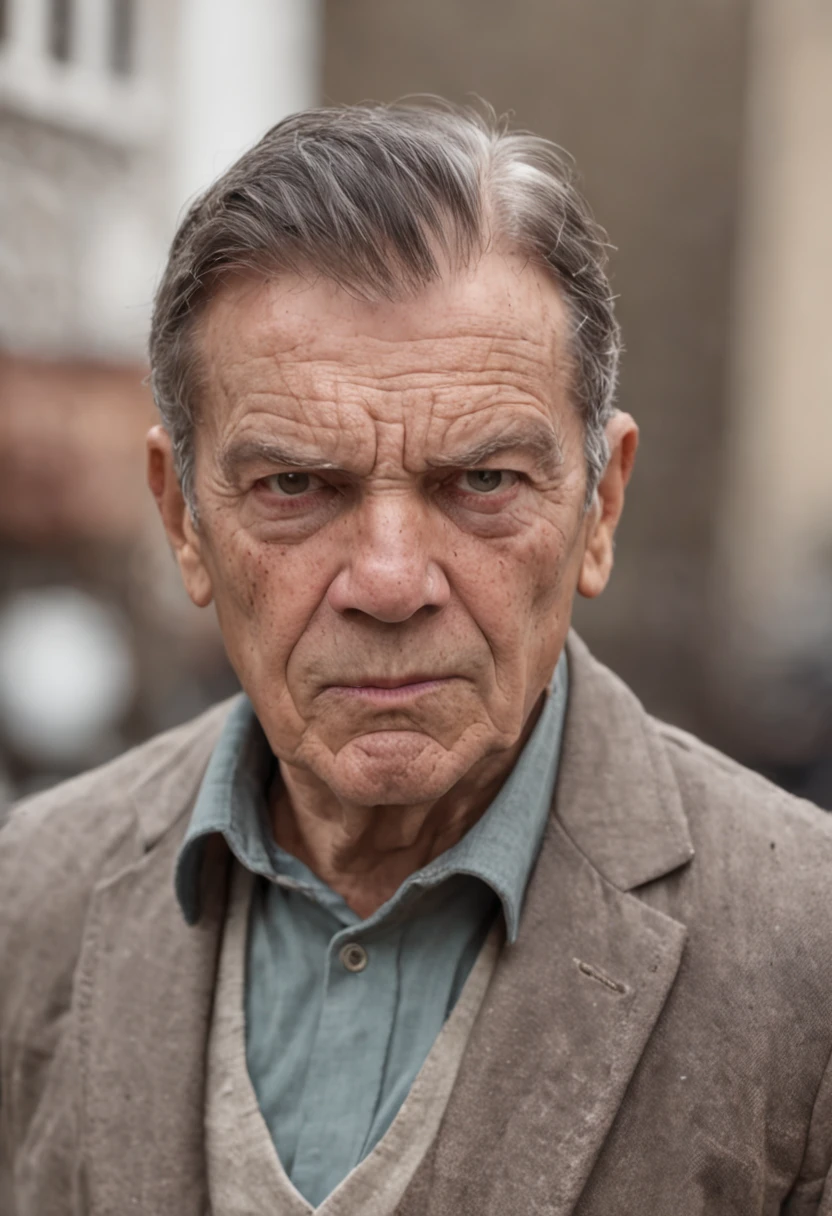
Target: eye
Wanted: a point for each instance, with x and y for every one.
(486, 481)
(290, 485)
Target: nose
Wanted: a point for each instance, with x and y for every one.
(388, 571)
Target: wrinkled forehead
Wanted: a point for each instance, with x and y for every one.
(307, 353)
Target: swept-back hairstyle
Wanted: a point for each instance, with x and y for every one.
(378, 198)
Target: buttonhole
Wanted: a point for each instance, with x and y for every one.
(595, 973)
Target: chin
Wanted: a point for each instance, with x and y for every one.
(395, 768)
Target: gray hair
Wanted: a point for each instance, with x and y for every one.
(376, 198)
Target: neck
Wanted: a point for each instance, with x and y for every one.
(366, 853)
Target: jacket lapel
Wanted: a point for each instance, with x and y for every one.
(564, 1024)
(145, 990)
(574, 1001)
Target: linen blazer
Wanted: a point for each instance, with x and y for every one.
(656, 1041)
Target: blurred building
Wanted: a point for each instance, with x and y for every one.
(702, 132)
(113, 113)
(772, 569)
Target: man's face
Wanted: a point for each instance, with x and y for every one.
(391, 519)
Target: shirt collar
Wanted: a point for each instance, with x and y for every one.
(500, 849)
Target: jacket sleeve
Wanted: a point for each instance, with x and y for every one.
(812, 1193)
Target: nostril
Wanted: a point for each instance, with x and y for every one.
(388, 591)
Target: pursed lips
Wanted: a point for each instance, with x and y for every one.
(390, 689)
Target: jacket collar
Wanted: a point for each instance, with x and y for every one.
(617, 796)
(166, 791)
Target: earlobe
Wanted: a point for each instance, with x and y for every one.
(182, 535)
(607, 505)
(597, 561)
(194, 572)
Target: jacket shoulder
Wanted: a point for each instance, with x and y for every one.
(724, 797)
(57, 845)
(758, 891)
(81, 817)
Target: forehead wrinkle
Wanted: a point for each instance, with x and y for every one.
(494, 342)
(467, 352)
(309, 367)
(315, 361)
(284, 331)
(353, 386)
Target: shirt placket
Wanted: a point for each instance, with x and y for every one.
(346, 1071)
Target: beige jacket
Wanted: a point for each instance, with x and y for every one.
(656, 1042)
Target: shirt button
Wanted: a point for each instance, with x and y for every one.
(353, 956)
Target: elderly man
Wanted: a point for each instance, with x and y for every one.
(434, 919)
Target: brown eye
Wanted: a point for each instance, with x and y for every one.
(484, 481)
(290, 484)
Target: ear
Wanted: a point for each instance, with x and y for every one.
(607, 505)
(184, 538)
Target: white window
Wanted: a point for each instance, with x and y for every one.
(80, 64)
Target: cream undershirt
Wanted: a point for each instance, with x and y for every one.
(245, 1175)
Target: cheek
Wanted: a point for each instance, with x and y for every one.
(513, 588)
(265, 596)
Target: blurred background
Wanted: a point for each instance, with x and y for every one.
(703, 132)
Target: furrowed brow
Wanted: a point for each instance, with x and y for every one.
(249, 451)
(542, 444)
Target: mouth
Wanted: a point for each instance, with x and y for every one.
(387, 691)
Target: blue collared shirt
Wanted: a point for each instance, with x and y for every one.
(341, 1012)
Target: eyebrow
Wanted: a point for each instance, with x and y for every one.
(541, 442)
(249, 450)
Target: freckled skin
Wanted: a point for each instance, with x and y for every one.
(383, 560)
